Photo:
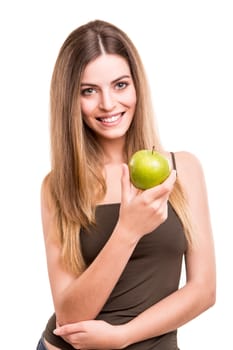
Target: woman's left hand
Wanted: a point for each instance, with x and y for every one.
(93, 334)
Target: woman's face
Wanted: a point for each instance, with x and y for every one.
(108, 96)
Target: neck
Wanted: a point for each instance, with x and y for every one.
(113, 151)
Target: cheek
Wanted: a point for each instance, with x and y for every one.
(88, 107)
(131, 99)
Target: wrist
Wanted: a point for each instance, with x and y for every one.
(129, 334)
(126, 234)
(122, 336)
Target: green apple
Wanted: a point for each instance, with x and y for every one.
(148, 168)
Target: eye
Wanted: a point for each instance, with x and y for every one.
(88, 91)
(121, 85)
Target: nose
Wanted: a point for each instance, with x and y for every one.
(107, 101)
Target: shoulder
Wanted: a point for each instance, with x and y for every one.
(190, 172)
(46, 197)
(48, 207)
(187, 161)
(44, 190)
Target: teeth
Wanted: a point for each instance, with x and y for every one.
(111, 119)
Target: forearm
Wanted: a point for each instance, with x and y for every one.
(169, 314)
(86, 295)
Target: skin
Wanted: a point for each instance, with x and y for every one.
(78, 300)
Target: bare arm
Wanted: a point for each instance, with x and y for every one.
(198, 294)
(81, 298)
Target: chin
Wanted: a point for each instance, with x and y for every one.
(113, 135)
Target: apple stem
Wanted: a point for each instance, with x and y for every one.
(153, 149)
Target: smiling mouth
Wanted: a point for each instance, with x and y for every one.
(111, 119)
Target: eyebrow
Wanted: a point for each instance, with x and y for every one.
(114, 81)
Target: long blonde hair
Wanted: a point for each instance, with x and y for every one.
(76, 181)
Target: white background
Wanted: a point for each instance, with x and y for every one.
(187, 50)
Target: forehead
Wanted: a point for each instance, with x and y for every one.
(106, 67)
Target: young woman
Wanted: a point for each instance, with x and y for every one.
(114, 253)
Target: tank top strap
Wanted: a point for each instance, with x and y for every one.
(173, 160)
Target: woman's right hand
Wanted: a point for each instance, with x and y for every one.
(143, 211)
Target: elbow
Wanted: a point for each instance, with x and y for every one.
(212, 297)
(211, 292)
(209, 296)
(61, 316)
(71, 312)
(65, 313)
(204, 296)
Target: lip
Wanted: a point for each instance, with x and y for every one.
(109, 115)
(110, 119)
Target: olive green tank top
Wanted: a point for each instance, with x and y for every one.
(152, 273)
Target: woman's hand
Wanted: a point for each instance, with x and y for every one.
(92, 334)
(143, 211)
